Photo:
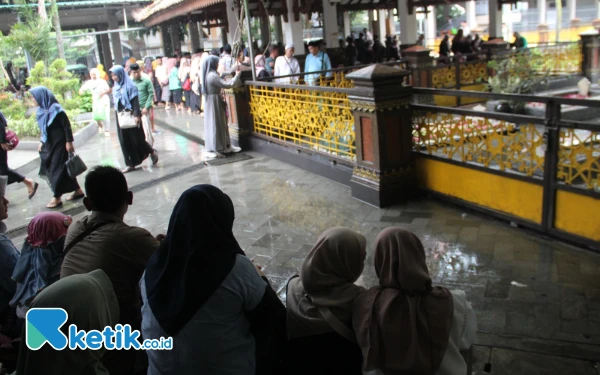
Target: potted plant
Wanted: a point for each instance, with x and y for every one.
(518, 73)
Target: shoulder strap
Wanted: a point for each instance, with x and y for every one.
(336, 325)
(81, 236)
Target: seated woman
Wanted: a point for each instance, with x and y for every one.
(91, 303)
(200, 289)
(405, 325)
(41, 257)
(319, 306)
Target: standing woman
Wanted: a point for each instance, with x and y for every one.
(163, 80)
(56, 142)
(100, 100)
(184, 74)
(196, 97)
(13, 176)
(133, 140)
(216, 133)
(175, 84)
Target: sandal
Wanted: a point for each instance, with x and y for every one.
(128, 169)
(75, 197)
(34, 190)
(54, 207)
(154, 158)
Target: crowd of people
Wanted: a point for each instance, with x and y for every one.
(196, 285)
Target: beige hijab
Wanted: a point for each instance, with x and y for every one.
(326, 283)
(402, 325)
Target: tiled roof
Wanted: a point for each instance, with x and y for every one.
(159, 6)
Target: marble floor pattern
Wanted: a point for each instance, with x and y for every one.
(537, 300)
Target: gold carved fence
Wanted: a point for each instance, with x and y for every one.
(468, 73)
(309, 117)
(579, 158)
(562, 58)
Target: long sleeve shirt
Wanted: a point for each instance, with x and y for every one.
(285, 67)
(8, 260)
(315, 64)
(146, 92)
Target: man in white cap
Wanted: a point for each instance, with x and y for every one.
(8, 253)
(286, 65)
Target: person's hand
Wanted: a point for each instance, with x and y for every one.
(7, 147)
(144, 111)
(138, 121)
(161, 237)
(40, 147)
(70, 147)
(259, 270)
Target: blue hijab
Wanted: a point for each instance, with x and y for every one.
(125, 90)
(195, 257)
(47, 110)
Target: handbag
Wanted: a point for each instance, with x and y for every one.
(126, 120)
(186, 85)
(99, 112)
(11, 138)
(75, 166)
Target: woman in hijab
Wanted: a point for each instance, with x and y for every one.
(100, 100)
(261, 72)
(133, 140)
(162, 76)
(319, 306)
(56, 142)
(41, 257)
(200, 289)
(91, 304)
(216, 132)
(175, 84)
(102, 73)
(184, 75)
(196, 93)
(405, 325)
(13, 176)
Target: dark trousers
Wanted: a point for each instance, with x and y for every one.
(13, 176)
(187, 95)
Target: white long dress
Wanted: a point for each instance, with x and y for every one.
(216, 133)
(462, 336)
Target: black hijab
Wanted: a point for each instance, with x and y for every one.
(196, 256)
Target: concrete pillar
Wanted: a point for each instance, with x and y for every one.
(347, 25)
(572, 10)
(541, 6)
(430, 30)
(392, 22)
(278, 29)
(371, 25)
(495, 20)
(174, 34)
(224, 36)
(293, 31)
(381, 21)
(232, 20)
(590, 50)
(166, 40)
(408, 23)
(194, 35)
(115, 38)
(506, 9)
(331, 31)
(106, 53)
(200, 35)
(471, 14)
(265, 32)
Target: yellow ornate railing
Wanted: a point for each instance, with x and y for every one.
(557, 59)
(579, 158)
(443, 77)
(318, 120)
(490, 143)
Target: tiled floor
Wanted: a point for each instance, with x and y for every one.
(537, 301)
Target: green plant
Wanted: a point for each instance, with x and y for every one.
(31, 34)
(516, 74)
(86, 102)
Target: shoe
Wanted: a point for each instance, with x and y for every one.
(34, 190)
(128, 169)
(55, 207)
(154, 158)
(75, 197)
(233, 149)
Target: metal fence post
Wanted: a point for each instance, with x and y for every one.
(552, 135)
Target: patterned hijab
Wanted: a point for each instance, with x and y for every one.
(327, 278)
(47, 110)
(124, 90)
(402, 325)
